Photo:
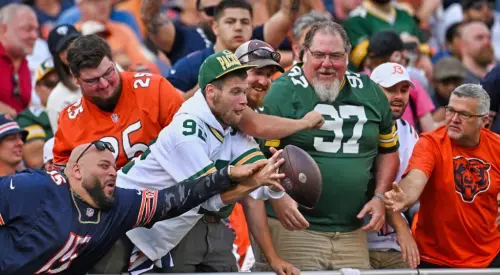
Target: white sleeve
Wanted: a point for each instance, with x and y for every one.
(245, 150)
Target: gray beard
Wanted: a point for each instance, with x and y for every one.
(326, 91)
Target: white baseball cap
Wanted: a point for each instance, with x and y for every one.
(47, 150)
(390, 74)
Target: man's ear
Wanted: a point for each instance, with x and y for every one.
(76, 172)
(215, 28)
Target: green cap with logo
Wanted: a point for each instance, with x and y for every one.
(218, 65)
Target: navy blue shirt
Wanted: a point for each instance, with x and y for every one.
(184, 74)
(491, 84)
(45, 228)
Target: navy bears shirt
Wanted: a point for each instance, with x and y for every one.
(45, 228)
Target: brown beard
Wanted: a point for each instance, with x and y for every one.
(96, 191)
(109, 104)
(485, 56)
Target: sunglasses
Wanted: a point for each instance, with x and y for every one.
(15, 81)
(209, 11)
(264, 54)
(478, 5)
(99, 145)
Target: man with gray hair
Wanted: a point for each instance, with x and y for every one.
(454, 174)
(358, 131)
(18, 33)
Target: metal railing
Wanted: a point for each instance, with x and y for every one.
(444, 271)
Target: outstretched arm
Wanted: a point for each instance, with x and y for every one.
(274, 127)
(180, 198)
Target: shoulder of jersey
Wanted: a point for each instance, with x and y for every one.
(360, 11)
(405, 126)
(139, 81)
(27, 177)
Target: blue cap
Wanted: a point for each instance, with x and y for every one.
(8, 126)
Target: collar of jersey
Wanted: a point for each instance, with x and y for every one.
(82, 206)
(389, 18)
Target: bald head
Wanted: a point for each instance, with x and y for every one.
(92, 174)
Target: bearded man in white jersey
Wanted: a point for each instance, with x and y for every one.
(393, 246)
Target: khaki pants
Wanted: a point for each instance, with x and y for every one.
(314, 250)
(386, 260)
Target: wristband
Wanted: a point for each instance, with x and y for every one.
(378, 195)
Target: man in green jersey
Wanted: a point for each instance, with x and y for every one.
(357, 134)
(373, 16)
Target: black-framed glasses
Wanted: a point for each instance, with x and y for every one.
(99, 145)
(321, 56)
(16, 91)
(264, 54)
(209, 11)
(107, 75)
(449, 111)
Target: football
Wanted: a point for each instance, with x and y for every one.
(302, 180)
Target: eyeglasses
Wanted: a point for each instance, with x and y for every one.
(449, 111)
(209, 11)
(321, 56)
(477, 5)
(107, 75)
(99, 145)
(16, 91)
(264, 54)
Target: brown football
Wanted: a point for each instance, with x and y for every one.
(302, 180)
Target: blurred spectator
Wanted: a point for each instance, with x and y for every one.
(232, 26)
(12, 138)
(131, 55)
(387, 46)
(48, 156)
(449, 73)
(18, 33)
(73, 15)
(40, 54)
(374, 16)
(491, 84)
(477, 51)
(177, 40)
(34, 119)
(453, 43)
(47, 13)
(66, 91)
(299, 30)
(134, 8)
(476, 10)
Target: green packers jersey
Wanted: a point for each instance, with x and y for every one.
(358, 126)
(366, 20)
(36, 122)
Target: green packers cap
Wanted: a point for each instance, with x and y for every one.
(218, 65)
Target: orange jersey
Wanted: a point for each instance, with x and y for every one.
(458, 207)
(147, 104)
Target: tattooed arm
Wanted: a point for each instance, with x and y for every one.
(159, 28)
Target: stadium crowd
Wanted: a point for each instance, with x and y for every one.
(145, 135)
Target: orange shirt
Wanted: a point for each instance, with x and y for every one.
(458, 207)
(147, 104)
